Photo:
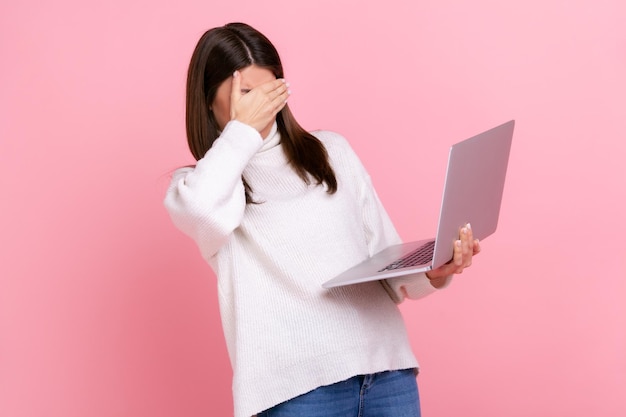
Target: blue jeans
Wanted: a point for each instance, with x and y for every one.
(385, 394)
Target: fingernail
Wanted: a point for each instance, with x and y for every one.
(458, 243)
(469, 226)
(236, 74)
(464, 230)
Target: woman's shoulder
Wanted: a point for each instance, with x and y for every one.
(341, 154)
(333, 141)
(328, 135)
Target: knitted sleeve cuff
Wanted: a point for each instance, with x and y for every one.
(412, 286)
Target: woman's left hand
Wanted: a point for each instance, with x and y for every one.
(464, 249)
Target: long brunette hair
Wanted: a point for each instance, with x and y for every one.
(220, 52)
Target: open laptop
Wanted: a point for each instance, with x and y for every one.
(472, 194)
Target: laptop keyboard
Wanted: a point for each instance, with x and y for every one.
(419, 256)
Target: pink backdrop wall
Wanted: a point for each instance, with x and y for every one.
(107, 310)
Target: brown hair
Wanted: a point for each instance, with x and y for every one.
(220, 52)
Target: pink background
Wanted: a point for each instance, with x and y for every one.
(107, 310)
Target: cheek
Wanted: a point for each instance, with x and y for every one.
(221, 104)
(221, 112)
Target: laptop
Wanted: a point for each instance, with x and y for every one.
(472, 194)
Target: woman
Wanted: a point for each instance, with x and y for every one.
(276, 211)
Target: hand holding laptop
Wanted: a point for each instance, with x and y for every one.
(472, 193)
(464, 250)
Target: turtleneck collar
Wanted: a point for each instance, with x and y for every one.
(272, 139)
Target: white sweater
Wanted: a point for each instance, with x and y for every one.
(285, 334)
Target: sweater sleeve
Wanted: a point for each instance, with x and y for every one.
(381, 233)
(207, 202)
